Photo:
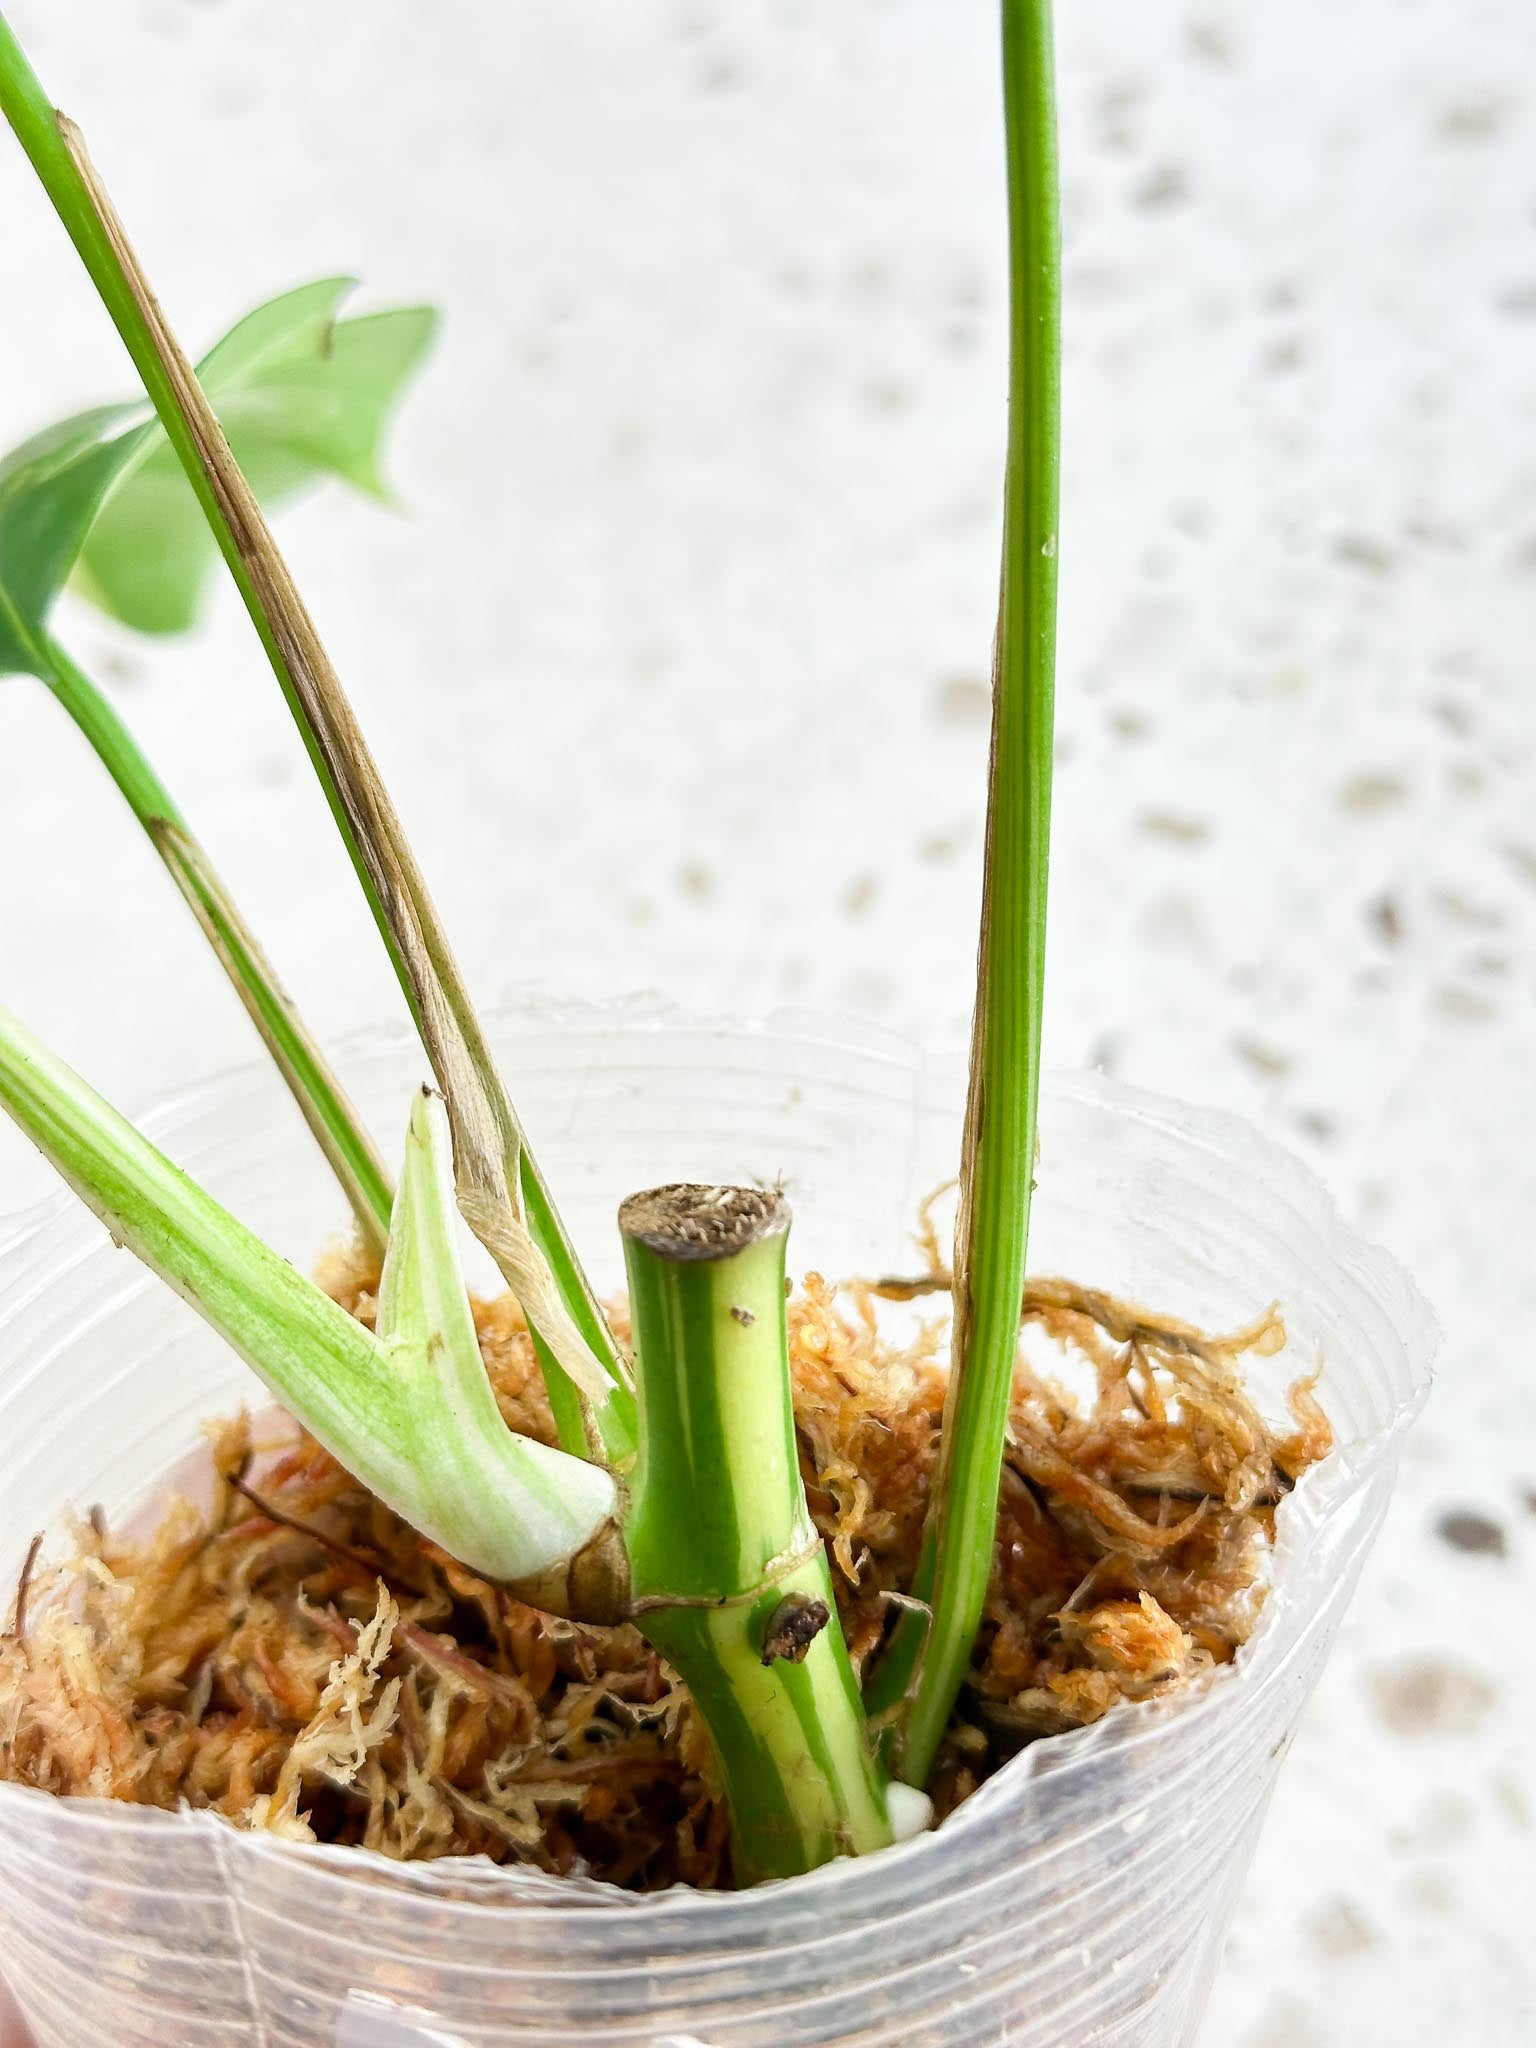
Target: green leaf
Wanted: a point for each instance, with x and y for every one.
(50, 490)
(409, 1412)
(301, 396)
(102, 498)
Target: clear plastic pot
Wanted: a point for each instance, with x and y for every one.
(1081, 1897)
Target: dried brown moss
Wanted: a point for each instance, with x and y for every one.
(297, 1659)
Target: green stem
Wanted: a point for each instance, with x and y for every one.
(321, 1099)
(726, 1565)
(567, 1413)
(997, 1166)
(112, 743)
(370, 830)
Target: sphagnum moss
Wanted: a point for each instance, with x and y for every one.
(231, 1656)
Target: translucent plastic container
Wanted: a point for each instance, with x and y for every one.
(1080, 1898)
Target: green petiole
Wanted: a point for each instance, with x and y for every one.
(927, 1659)
(330, 1115)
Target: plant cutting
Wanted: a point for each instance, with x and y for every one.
(695, 1581)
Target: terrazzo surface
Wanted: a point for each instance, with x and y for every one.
(676, 658)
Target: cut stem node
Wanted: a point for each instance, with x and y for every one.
(731, 1581)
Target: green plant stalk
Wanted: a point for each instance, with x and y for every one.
(927, 1660)
(409, 1411)
(725, 1560)
(322, 1101)
(501, 1189)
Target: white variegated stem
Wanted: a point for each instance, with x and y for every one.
(410, 1413)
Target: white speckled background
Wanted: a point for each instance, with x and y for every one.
(677, 660)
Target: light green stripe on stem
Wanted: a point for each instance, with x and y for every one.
(726, 1565)
(337, 1128)
(998, 1158)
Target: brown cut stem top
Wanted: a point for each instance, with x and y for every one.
(694, 1221)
